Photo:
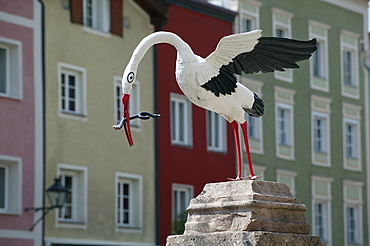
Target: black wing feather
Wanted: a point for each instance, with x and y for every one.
(270, 54)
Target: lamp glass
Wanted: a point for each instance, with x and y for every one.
(57, 194)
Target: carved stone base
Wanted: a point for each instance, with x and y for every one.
(250, 238)
(245, 212)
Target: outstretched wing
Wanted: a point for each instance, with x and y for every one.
(268, 55)
(227, 49)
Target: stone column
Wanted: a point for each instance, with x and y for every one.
(245, 212)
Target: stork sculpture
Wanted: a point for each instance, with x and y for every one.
(211, 82)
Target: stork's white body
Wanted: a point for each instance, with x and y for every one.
(192, 71)
(228, 106)
(210, 83)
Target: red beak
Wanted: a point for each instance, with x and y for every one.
(126, 115)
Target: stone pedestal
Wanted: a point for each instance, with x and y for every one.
(245, 212)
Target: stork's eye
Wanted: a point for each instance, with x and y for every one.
(130, 77)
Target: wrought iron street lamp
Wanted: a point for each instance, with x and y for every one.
(57, 195)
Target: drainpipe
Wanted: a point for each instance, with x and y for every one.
(365, 58)
(42, 6)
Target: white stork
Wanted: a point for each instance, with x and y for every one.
(211, 83)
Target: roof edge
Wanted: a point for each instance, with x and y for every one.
(206, 8)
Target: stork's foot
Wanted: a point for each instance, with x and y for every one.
(254, 177)
(117, 127)
(250, 177)
(236, 179)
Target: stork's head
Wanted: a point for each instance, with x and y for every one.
(128, 79)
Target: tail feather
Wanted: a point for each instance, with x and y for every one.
(257, 109)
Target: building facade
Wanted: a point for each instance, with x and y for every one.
(21, 122)
(111, 186)
(195, 147)
(314, 135)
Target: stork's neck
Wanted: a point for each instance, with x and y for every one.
(184, 51)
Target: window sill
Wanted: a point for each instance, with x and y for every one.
(73, 116)
(96, 32)
(128, 229)
(71, 224)
(217, 151)
(7, 212)
(4, 95)
(183, 145)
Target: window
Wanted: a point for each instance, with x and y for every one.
(97, 14)
(129, 201)
(10, 68)
(181, 195)
(281, 22)
(352, 225)
(255, 125)
(350, 66)
(134, 106)
(3, 187)
(320, 128)
(181, 132)
(10, 185)
(284, 123)
(249, 16)
(319, 62)
(351, 140)
(352, 137)
(320, 141)
(216, 132)
(283, 129)
(72, 86)
(4, 69)
(321, 213)
(67, 212)
(74, 212)
(353, 216)
(321, 206)
(317, 57)
(287, 177)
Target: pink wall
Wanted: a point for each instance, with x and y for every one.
(22, 8)
(15, 242)
(17, 125)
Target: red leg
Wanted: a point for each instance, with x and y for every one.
(238, 155)
(246, 142)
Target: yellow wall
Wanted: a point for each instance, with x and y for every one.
(92, 142)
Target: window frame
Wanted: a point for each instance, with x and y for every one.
(80, 197)
(256, 145)
(284, 99)
(80, 96)
(14, 68)
(6, 188)
(136, 202)
(100, 15)
(189, 191)
(249, 10)
(349, 201)
(216, 135)
(281, 174)
(13, 201)
(320, 32)
(323, 197)
(187, 128)
(349, 43)
(72, 196)
(277, 22)
(352, 116)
